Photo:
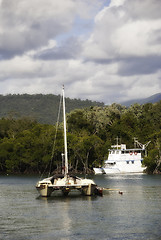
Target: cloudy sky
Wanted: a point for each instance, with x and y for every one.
(102, 50)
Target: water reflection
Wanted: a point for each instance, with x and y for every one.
(67, 211)
(133, 215)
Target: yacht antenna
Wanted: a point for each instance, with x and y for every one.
(117, 142)
(143, 146)
(135, 141)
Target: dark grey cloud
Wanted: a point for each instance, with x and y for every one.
(70, 49)
(139, 65)
(27, 25)
(146, 9)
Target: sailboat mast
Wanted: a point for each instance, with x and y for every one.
(65, 136)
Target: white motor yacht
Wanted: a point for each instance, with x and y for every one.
(122, 160)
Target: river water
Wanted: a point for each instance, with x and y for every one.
(135, 214)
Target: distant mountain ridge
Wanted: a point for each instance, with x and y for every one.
(43, 108)
(152, 99)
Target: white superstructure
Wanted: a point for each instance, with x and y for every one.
(122, 160)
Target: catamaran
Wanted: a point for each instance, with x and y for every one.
(66, 182)
(123, 160)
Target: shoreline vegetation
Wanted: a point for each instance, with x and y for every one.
(27, 146)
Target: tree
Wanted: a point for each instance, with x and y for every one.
(151, 161)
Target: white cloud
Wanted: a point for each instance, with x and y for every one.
(134, 38)
(117, 3)
(117, 34)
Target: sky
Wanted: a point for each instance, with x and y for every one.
(102, 50)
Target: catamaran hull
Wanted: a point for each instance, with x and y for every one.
(88, 190)
(66, 185)
(45, 190)
(85, 190)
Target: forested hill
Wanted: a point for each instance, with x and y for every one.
(152, 99)
(43, 108)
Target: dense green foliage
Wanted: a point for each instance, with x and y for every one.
(26, 146)
(43, 108)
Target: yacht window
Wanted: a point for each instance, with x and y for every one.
(127, 162)
(132, 162)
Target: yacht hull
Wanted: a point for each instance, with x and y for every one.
(98, 170)
(116, 170)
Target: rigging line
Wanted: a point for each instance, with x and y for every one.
(56, 131)
(54, 141)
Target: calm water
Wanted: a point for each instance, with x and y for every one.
(134, 215)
